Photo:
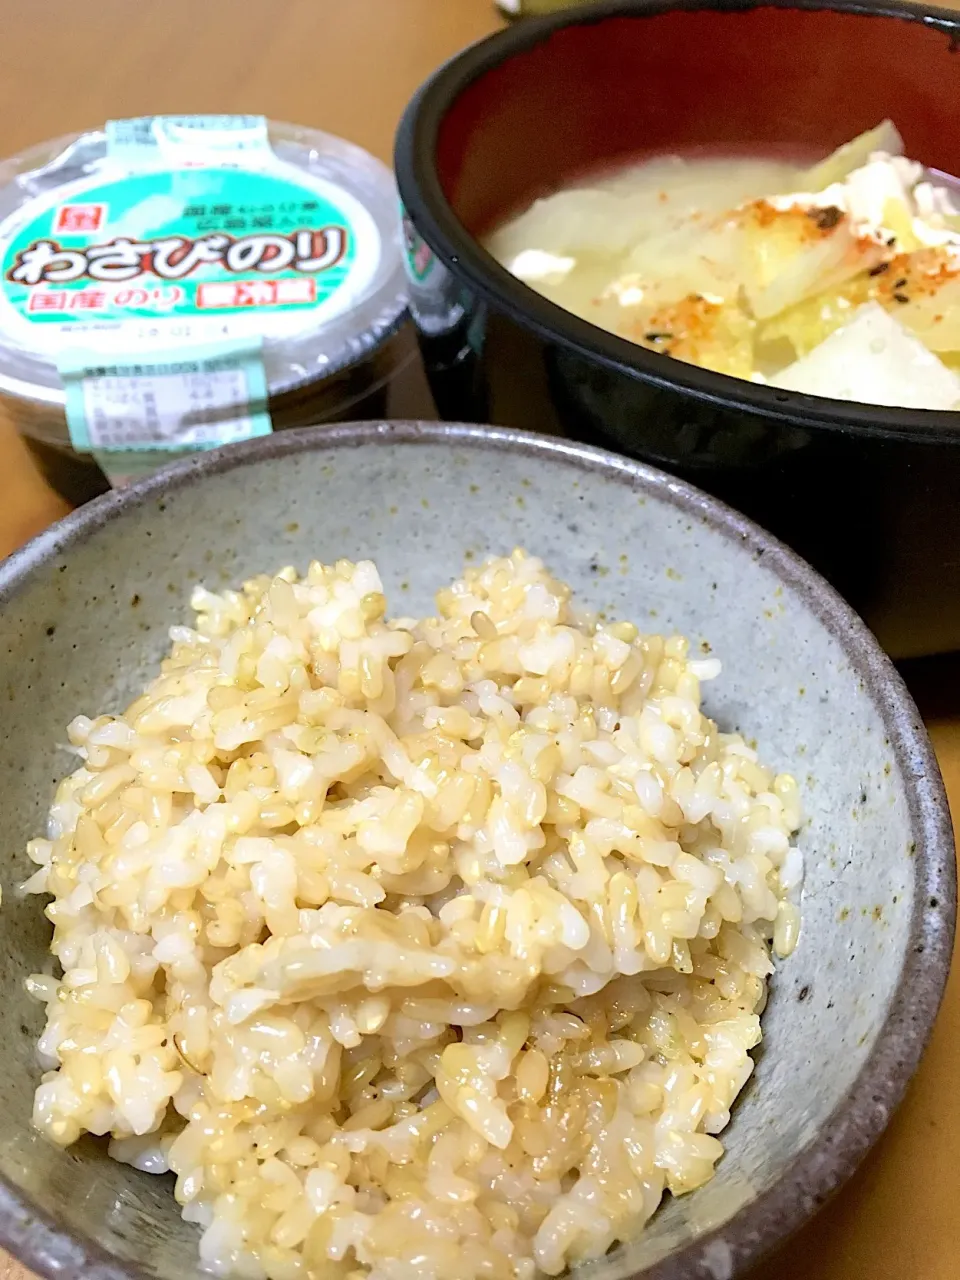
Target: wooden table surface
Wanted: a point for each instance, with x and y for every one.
(349, 68)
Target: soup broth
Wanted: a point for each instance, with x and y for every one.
(840, 280)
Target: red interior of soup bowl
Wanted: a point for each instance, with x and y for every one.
(615, 86)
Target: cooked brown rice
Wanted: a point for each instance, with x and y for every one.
(424, 947)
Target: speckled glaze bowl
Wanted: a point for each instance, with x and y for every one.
(84, 612)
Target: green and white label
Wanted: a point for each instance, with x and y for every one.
(182, 254)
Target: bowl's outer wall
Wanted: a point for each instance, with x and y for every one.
(875, 515)
(85, 619)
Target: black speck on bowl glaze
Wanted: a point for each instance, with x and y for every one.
(866, 494)
(849, 1012)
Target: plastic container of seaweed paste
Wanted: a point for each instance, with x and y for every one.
(175, 283)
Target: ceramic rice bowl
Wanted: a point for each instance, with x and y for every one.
(84, 612)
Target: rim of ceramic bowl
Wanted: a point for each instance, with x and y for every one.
(857, 1121)
(443, 232)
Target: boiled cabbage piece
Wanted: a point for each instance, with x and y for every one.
(921, 290)
(771, 258)
(698, 330)
(808, 323)
(791, 254)
(853, 155)
(581, 220)
(874, 359)
(605, 222)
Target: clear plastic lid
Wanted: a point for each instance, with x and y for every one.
(157, 237)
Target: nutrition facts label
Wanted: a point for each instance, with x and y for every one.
(174, 405)
(165, 407)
